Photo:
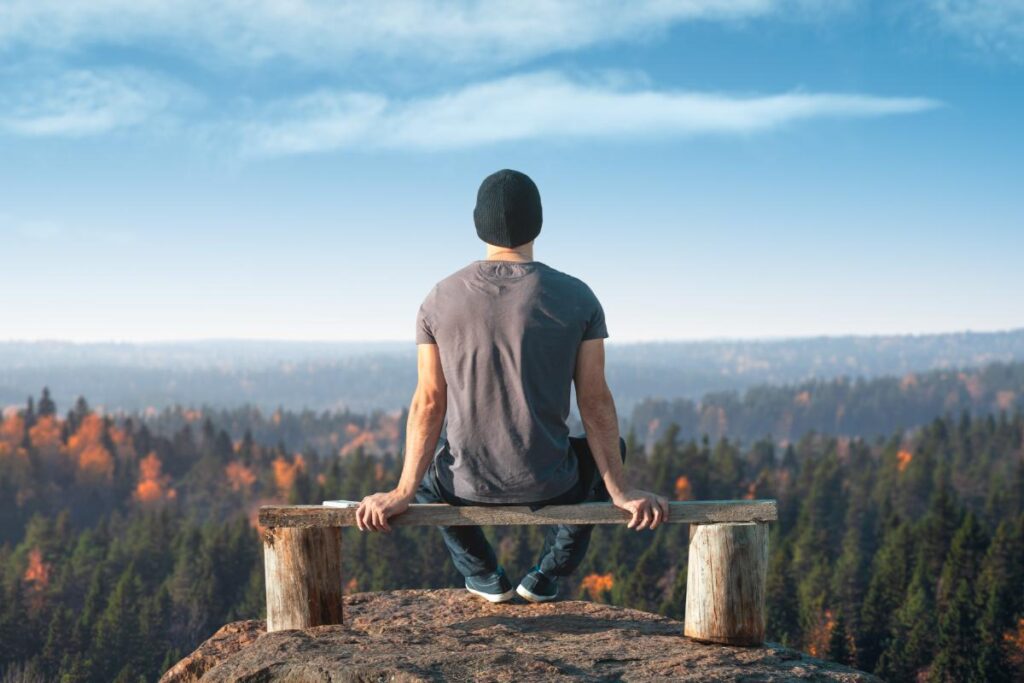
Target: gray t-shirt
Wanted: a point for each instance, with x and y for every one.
(508, 334)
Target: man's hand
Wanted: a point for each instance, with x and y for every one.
(373, 511)
(648, 509)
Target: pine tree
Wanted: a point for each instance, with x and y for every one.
(839, 641)
(783, 618)
(46, 407)
(958, 640)
(912, 643)
(890, 576)
(963, 562)
(640, 589)
(1001, 599)
(118, 643)
(936, 530)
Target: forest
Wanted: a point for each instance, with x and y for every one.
(125, 540)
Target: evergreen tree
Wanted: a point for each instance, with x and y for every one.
(890, 576)
(1001, 599)
(46, 407)
(839, 641)
(958, 640)
(912, 642)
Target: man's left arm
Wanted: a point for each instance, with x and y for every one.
(426, 415)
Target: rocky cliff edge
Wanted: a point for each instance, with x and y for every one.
(448, 635)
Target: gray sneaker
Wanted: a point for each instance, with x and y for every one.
(493, 587)
(537, 586)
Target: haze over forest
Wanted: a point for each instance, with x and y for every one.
(371, 376)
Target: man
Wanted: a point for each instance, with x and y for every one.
(500, 342)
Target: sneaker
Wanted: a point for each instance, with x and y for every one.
(538, 587)
(493, 587)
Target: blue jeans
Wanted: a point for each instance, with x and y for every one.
(564, 544)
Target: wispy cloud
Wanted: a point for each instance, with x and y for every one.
(541, 105)
(82, 102)
(992, 26)
(324, 32)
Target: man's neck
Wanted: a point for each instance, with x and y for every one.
(521, 254)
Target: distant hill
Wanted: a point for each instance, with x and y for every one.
(839, 407)
(367, 376)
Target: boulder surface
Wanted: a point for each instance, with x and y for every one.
(449, 635)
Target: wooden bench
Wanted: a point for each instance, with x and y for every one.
(725, 590)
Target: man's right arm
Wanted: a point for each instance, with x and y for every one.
(597, 410)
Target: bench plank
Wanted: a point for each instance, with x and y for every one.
(680, 512)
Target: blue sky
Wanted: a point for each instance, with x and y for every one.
(307, 170)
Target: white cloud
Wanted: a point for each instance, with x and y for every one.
(539, 105)
(992, 26)
(82, 102)
(326, 32)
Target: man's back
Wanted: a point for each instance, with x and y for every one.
(500, 343)
(508, 333)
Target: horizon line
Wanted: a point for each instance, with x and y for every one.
(409, 340)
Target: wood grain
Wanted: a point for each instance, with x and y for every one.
(303, 576)
(725, 583)
(680, 512)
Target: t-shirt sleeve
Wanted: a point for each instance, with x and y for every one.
(424, 329)
(595, 327)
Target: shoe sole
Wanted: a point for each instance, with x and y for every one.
(493, 597)
(527, 594)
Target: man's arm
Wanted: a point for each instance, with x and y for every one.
(597, 410)
(426, 415)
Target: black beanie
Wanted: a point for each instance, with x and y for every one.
(507, 211)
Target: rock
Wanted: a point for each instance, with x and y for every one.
(439, 635)
(218, 647)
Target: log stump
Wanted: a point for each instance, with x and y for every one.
(303, 576)
(725, 583)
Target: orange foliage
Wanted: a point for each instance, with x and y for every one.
(123, 444)
(152, 486)
(751, 493)
(36, 578)
(903, 459)
(285, 472)
(378, 472)
(351, 586)
(364, 440)
(38, 572)
(803, 398)
(597, 585)
(909, 380)
(96, 461)
(1014, 642)
(89, 431)
(683, 489)
(239, 476)
(817, 639)
(12, 430)
(352, 429)
(45, 435)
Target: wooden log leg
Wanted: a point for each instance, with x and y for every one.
(303, 576)
(725, 583)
